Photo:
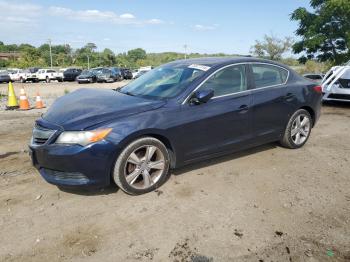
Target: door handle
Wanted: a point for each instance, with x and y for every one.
(243, 108)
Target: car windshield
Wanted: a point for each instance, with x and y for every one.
(163, 82)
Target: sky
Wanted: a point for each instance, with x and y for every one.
(228, 26)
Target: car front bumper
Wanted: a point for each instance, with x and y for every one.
(336, 93)
(85, 80)
(75, 165)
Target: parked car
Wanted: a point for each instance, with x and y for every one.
(142, 70)
(14, 73)
(140, 73)
(87, 76)
(179, 113)
(109, 75)
(336, 84)
(117, 72)
(31, 75)
(71, 74)
(61, 73)
(4, 77)
(48, 75)
(317, 78)
(126, 73)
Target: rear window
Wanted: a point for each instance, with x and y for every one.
(268, 75)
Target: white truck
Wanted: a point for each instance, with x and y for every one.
(18, 74)
(48, 75)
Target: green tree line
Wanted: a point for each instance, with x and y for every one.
(66, 56)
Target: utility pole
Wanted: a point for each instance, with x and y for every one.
(49, 40)
(88, 60)
(185, 47)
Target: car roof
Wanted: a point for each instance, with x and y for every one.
(218, 61)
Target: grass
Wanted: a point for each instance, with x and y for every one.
(66, 91)
(2, 95)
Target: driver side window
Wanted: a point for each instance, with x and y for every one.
(227, 81)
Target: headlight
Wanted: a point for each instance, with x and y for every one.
(82, 138)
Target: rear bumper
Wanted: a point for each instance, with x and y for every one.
(74, 165)
(336, 92)
(336, 97)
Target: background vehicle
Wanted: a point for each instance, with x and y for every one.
(61, 73)
(140, 73)
(142, 70)
(336, 84)
(71, 74)
(179, 113)
(14, 74)
(126, 73)
(317, 78)
(48, 75)
(31, 74)
(4, 77)
(117, 72)
(87, 76)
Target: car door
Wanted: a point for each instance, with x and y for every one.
(224, 122)
(269, 100)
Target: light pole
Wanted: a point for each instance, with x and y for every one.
(185, 47)
(88, 60)
(49, 40)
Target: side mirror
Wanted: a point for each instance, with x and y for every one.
(202, 96)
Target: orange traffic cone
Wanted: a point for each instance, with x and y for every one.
(38, 102)
(23, 100)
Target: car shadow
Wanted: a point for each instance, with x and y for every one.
(112, 189)
(222, 159)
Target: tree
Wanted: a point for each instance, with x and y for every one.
(91, 47)
(324, 32)
(108, 57)
(271, 47)
(136, 54)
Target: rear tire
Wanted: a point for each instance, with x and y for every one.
(142, 166)
(298, 130)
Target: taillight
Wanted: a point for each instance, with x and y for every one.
(318, 89)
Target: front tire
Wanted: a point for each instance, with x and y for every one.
(142, 166)
(298, 130)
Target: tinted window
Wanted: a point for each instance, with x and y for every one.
(268, 75)
(227, 81)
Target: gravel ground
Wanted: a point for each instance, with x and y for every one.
(263, 204)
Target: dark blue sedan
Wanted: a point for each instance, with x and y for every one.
(176, 114)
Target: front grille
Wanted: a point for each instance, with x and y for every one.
(344, 83)
(41, 135)
(66, 176)
(339, 96)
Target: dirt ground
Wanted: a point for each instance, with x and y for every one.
(264, 204)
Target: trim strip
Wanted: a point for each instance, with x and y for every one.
(248, 90)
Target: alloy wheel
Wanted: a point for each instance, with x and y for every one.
(144, 167)
(300, 129)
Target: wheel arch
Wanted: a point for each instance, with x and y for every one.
(311, 112)
(158, 134)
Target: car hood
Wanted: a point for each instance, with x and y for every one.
(89, 107)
